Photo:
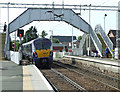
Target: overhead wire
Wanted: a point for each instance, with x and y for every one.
(75, 7)
(100, 5)
(65, 5)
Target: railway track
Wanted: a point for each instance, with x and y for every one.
(80, 88)
(65, 77)
(60, 82)
(108, 81)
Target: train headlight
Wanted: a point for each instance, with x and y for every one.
(51, 53)
(35, 54)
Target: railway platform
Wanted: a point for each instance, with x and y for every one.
(17, 78)
(106, 61)
(103, 64)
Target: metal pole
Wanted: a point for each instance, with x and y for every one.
(80, 9)
(72, 40)
(51, 39)
(0, 17)
(15, 40)
(8, 13)
(63, 4)
(89, 29)
(104, 21)
(53, 5)
(117, 50)
(20, 52)
(52, 12)
(7, 47)
(62, 9)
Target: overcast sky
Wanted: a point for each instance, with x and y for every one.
(61, 28)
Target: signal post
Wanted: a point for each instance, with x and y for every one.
(20, 34)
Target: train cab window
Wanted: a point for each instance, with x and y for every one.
(46, 44)
(38, 45)
(42, 44)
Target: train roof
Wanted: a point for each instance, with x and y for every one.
(30, 42)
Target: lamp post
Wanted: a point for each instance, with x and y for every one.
(7, 43)
(104, 20)
(63, 4)
(89, 30)
(51, 38)
(72, 40)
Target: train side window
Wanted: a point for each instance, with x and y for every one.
(31, 48)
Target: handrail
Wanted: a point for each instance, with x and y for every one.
(107, 40)
(96, 42)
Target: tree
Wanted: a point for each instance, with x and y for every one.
(79, 38)
(55, 40)
(43, 34)
(30, 34)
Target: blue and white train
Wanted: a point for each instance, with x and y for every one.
(39, 52)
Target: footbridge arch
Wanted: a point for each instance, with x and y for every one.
(54, 14)
(42, 14)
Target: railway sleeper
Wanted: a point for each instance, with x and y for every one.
(70, 81)
(98, 74)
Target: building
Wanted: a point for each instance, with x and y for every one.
(67, 40)
(65, 43)
(112, 35)
(59, 47)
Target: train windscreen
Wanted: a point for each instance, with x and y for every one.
(42, 44)
(46, 44)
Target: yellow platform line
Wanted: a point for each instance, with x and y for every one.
(27, 83)
(2, 58)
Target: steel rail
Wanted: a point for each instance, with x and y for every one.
(96, 73)
(70, 81)
(53, 86)
(86, 75)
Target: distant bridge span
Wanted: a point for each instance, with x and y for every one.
(53, 14)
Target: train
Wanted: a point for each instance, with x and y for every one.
(39, 52)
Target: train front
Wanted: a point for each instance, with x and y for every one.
(42, 55)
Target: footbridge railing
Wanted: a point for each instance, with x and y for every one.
(108, 42)
(96, 42)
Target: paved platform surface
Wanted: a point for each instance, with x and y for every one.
(107, 61)
(16, 78)
(10, 76)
